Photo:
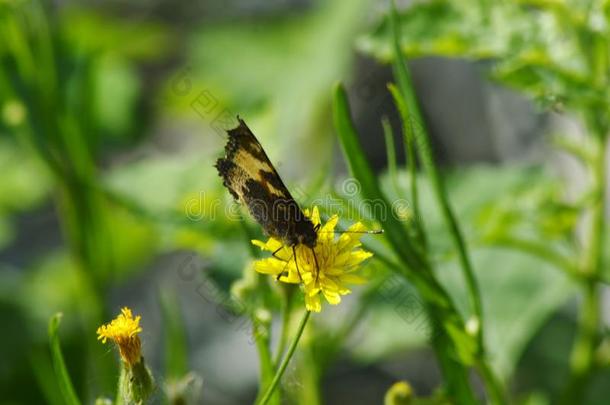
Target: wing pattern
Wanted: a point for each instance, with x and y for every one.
(250, 177)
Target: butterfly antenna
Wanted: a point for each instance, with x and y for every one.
(372, 232)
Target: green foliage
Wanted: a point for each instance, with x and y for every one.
(551, 50)
(557, 53)
(449, 338)
(474, 264)
(517, 300)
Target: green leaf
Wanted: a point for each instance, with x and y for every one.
(61, 373)
(388, 136)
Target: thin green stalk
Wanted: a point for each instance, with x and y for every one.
(582, 361)
(282, 368)
(59, 365)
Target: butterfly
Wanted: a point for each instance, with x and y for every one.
(250, 177)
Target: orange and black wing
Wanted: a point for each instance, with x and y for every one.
(251, 178)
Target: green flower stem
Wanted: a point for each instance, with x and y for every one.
(282, 368)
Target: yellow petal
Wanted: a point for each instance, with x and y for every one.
(315, 215)
(326, 234)
(333, 298)
(358, 256)
(269, 266)
(312, 303)
(329, 285)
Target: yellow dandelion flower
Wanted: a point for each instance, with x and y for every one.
(123, 330)
(337, 261)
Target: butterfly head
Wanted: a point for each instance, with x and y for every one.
(306, 234)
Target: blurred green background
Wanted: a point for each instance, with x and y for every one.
(112, 115)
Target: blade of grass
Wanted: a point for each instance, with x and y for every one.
(422, 139)
(409, 141)
(360, 169)
(448, 338)
(390, 150)
(61, 373)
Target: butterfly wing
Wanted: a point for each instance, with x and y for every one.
(251, 178)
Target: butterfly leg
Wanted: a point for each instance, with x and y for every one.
(294, 254)
(283, 272)
(274, 254)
